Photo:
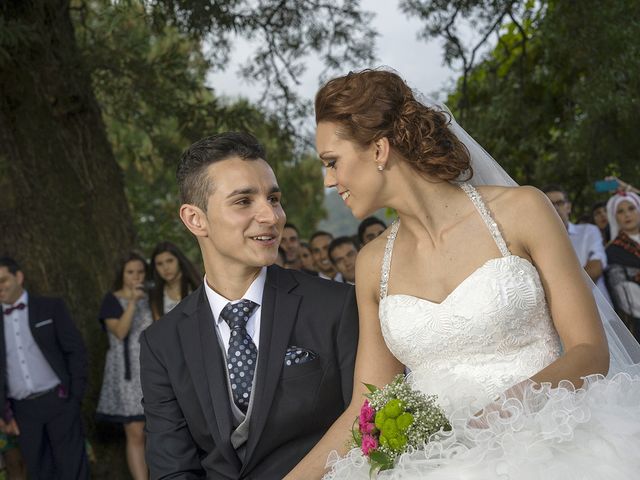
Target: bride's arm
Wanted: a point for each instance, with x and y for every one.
(374, 363)
(568, 291)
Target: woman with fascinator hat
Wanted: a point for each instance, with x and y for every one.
(477, 291)
(623, 255)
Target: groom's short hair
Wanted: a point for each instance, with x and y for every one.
(193, 183)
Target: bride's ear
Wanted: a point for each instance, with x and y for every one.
(382, 151)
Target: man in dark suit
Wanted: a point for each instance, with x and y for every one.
(244, 376)
(43, 366)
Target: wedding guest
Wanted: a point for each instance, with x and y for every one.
(585, 238)
(174, 278)
(290, 243)
(319, 243)
(44, 374)
(369, 229)
(306, 259)
(343, 252)
(125, 313)
(623, 253)
(600, 219)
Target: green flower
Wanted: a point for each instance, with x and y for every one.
(390, 429)
(404, 421)
(394, 408)
(379, 419)
(383, 440)
(398, 443)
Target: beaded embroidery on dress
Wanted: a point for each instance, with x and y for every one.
(493, 331)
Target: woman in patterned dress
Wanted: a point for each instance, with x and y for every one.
(125, 313)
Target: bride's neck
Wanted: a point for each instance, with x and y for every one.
(425, 204)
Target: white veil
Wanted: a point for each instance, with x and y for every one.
(624, 350)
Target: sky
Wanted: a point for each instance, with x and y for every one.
(418, 62)
(397, 46)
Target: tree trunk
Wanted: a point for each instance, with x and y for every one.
(63, 212)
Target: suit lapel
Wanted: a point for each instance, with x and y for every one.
(33, 318)
(205, 363)
(278, 316)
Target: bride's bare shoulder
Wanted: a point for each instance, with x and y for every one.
(524, 215)
(515, 200)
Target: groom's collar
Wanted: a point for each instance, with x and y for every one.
(253, 293)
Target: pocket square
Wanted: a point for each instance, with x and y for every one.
(43, 323)
(297, 356)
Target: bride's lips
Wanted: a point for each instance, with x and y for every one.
(345, 195)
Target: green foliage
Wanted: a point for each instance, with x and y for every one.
(150, 83)
(556, 100)
(284, 32)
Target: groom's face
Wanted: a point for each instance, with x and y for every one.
(244, 218)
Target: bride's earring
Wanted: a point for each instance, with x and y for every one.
(380, 168)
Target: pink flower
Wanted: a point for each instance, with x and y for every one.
(367, 413)
(369, 444)
(366, 427)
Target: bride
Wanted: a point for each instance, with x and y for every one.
(477, 291)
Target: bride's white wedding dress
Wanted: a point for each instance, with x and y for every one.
(491, 333)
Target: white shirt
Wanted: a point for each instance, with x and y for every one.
(337, 278)
(587, 242)
(28, 372)
(217, 303)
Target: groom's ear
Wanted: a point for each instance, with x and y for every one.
(194, 219)
(382, 148)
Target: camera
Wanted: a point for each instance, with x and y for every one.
(147, 286)
(602, 186)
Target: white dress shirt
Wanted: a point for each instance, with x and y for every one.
(587, 242)
(28, 372)
(337, 278)
(217, 303)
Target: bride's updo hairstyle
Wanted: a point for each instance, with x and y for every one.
(372, 104)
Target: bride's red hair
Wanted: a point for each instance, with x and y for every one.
(372, 104)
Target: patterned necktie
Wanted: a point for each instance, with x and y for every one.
(242, 353)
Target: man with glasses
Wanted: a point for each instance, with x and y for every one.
(585, 238)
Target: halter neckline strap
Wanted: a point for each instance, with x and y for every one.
(485, 214)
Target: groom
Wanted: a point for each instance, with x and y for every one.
(244, 376)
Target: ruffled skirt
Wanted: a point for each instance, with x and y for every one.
(546, 433)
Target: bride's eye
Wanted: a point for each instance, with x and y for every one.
(330, 164)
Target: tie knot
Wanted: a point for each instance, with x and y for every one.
(17, 306)
(237, 314)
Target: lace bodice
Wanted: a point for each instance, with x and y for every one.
(491, 332)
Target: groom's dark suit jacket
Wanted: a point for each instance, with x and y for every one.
(186, 400)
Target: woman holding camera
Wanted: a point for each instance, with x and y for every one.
(125, 313)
